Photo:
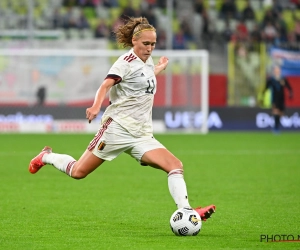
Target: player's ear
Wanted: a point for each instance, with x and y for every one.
(134, 41)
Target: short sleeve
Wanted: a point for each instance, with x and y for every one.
(120, 68)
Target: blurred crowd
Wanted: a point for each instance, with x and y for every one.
(220, 20)
(279, 22)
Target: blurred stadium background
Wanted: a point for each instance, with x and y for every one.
(44, 93)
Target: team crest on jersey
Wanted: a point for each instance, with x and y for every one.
(101, 146)
(130, 58)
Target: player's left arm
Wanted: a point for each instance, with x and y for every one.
(161, 65)
(287, 84)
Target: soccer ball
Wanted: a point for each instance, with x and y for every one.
(185, 222)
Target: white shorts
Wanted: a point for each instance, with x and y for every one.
(112, 139)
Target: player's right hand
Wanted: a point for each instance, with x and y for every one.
(91, 113)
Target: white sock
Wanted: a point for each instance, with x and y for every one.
(177, 188)
(62, 162)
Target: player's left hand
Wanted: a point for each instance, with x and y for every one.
(163, 62)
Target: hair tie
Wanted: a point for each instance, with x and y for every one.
(142, 30)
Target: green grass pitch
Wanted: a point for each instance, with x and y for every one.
(252, 178)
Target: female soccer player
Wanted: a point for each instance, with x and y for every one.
(126, 124)
(277, 84)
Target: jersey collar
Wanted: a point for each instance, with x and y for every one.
(132, 51)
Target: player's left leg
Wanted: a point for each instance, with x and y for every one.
(163, 159)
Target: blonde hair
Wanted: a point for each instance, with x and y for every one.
(132, 28)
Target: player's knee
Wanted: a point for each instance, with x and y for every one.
(180, 165)
(177, 164)
(176, 169)
(78, 174)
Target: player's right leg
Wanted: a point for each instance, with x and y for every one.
(36, 163)
(97, 152)
(277, 114)
(87, 163)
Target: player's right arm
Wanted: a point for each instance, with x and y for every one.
(268, 84)
(261, 96)
(115, 75)
(92, 112)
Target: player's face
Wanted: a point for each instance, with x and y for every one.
(277, 72)
(144, 44)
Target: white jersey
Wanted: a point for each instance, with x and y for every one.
(132, 96)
